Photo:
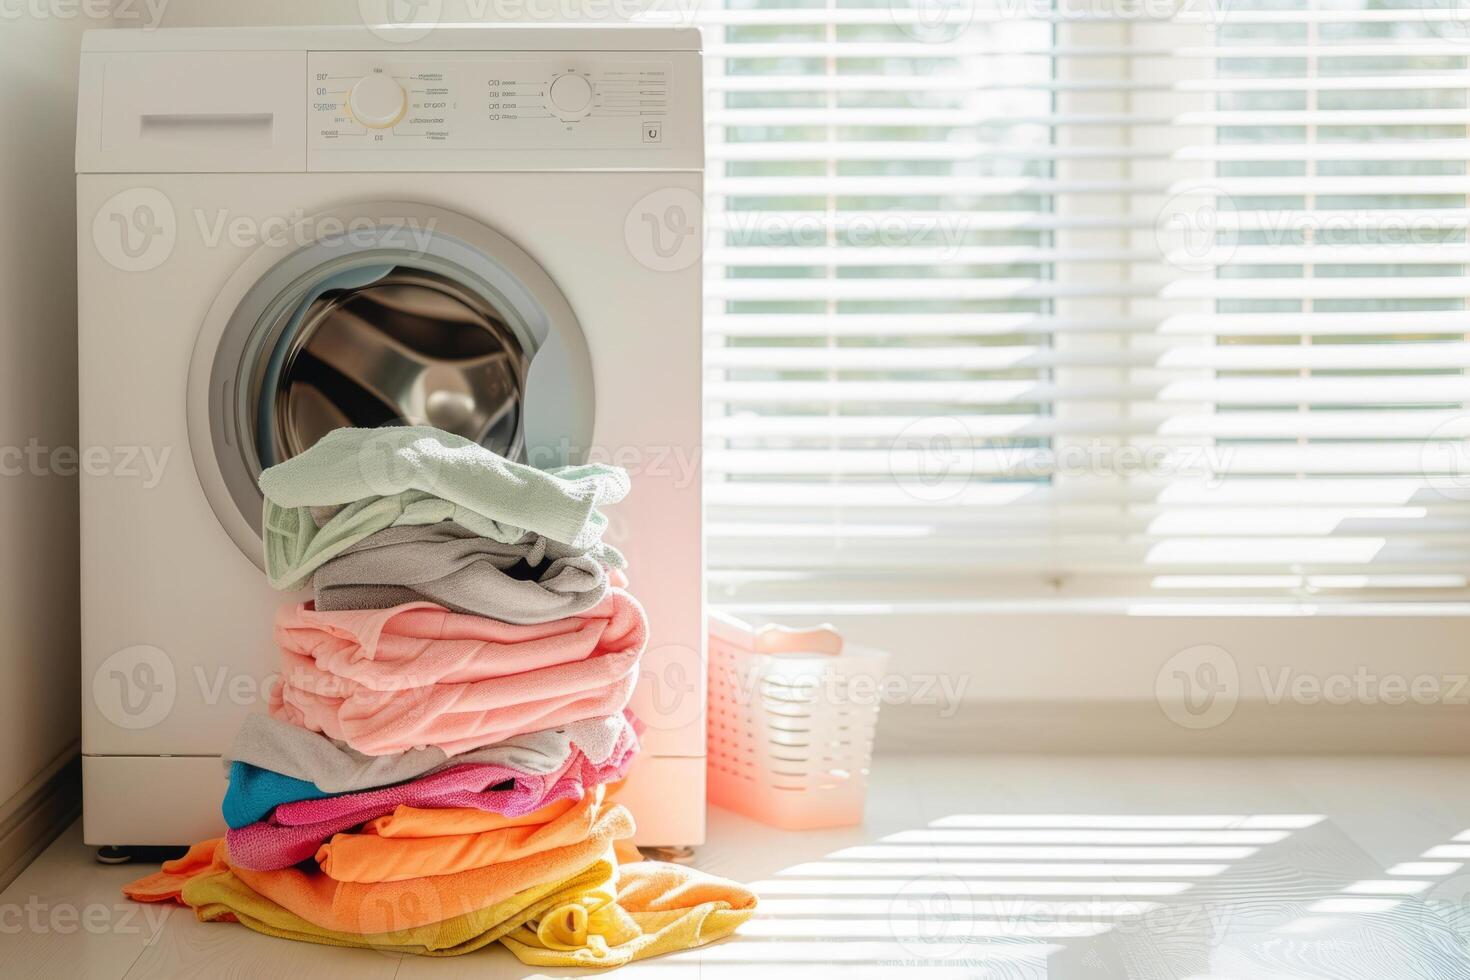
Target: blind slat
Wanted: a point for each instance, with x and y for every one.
(1184, 325)
(1375, 358)
(1430, 390)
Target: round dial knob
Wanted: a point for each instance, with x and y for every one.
(570, 95)
(377, 101)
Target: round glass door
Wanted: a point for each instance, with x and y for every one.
(463, 331)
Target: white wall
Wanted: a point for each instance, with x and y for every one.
(39, 644)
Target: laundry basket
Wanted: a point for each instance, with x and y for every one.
(791, 721)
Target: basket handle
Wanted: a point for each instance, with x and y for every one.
(773, 638)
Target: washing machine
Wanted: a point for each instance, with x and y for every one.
(284, 231)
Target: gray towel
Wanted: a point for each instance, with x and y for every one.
(335, 768)
(452, 566)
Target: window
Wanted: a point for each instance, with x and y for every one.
(1122, 299)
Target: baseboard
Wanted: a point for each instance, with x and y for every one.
(1142, 727)
(35, 816)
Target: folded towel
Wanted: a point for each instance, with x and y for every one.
(347, 906)
(455, 568)
(254, 792)
(368, 857)
(421, 475)
(416, 823)
(598, 915)
(218, 895)
(294, 831)
(370, 910)
(272, 762)
(416, 676)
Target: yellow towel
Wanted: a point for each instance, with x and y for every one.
(655, 908)
(602, 916)
(222, 897)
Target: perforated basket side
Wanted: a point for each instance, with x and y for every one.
(786, 746)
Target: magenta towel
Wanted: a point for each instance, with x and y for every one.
(417, 675)
(294, 831)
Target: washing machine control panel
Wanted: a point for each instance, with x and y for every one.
(382, 102)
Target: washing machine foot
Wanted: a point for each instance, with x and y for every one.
(120, 854)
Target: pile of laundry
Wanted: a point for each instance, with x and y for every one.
(438, 768)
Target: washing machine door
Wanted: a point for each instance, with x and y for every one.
(382, 314)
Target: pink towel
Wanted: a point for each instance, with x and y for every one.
(417, 675)
(294, 831)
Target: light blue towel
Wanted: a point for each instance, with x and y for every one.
(404, 475)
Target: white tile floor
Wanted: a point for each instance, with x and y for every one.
(976, 867)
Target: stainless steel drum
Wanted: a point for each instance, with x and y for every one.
(411, 348)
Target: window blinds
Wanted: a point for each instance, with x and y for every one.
(1121, 298)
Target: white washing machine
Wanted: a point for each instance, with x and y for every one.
(283, 231)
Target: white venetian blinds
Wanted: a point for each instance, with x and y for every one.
(1103, 298)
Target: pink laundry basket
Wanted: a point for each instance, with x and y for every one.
(791, 720)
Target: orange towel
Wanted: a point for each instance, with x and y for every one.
(358, 908)
(167, 883)
(368, 857)
(413, 821)
(382, 907)
(203, 881)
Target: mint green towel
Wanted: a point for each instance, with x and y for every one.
(405, 475)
